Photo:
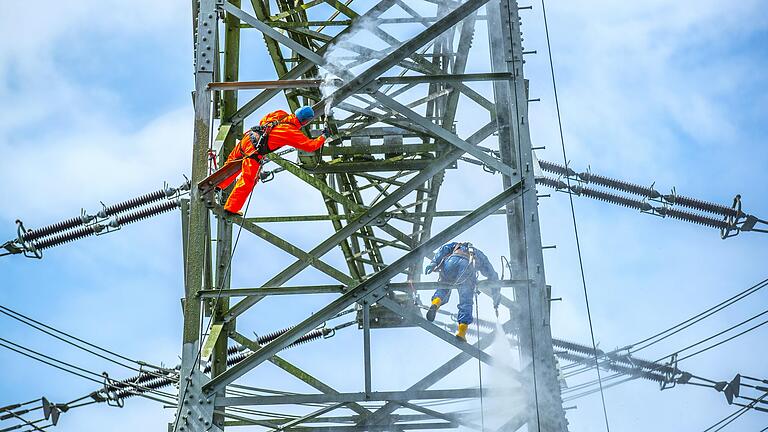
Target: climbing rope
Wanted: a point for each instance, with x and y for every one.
(573, 217)
(479, 363)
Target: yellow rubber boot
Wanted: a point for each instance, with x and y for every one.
(462, 333)
(436, 302)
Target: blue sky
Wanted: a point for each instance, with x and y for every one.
(96, 107)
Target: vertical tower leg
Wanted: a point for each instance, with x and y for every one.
(224, 229)
(192, 415)
(545, 411)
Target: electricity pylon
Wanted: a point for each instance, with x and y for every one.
(407, 113)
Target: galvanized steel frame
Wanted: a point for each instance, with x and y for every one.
(359, 225)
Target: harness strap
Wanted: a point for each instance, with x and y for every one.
(259, 136)
(457, 251)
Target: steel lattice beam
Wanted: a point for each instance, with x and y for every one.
(371, 287)
(367, 210)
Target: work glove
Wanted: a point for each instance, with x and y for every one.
(429, 268)
(265, 176)
(326, 133)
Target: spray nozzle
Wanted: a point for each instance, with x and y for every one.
(334, 81)
(330, 84)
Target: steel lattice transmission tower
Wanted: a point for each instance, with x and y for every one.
(401, 134)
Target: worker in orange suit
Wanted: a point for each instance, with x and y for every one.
(278, 129)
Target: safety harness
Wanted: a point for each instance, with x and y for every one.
(458, 250)
(259, 136)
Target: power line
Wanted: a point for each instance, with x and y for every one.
(588, 384)
(733, 416)
(726, 340)
(44, 328)
(573, 217)
(699, 317)
(74, 369)
(119, 390)
(720, 333)
(682, 325)
(727, 420)
(5, 343)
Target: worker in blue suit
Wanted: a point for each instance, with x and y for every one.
(458, 265)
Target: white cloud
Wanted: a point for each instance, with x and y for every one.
(639, 77)
(69, 144)
(70, 141)
(619, 66)
(31, 83)
(64, 171)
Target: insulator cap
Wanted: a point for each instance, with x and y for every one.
(51, 229)
(692, 217)
(701, 205)
(66, 237)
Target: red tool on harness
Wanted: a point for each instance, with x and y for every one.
(257, 136)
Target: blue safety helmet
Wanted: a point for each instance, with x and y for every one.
(305, 114)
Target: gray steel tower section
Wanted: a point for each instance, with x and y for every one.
(194, 412)
(526, 259)
(419, 147)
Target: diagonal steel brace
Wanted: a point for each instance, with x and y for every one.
(374, 285)
(417, 319)
(375, 211)
(443, 134)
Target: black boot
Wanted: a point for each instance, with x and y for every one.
(431, 313)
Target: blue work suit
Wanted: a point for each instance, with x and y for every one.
(456, 271)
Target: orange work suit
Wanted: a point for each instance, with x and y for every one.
(286, 133)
